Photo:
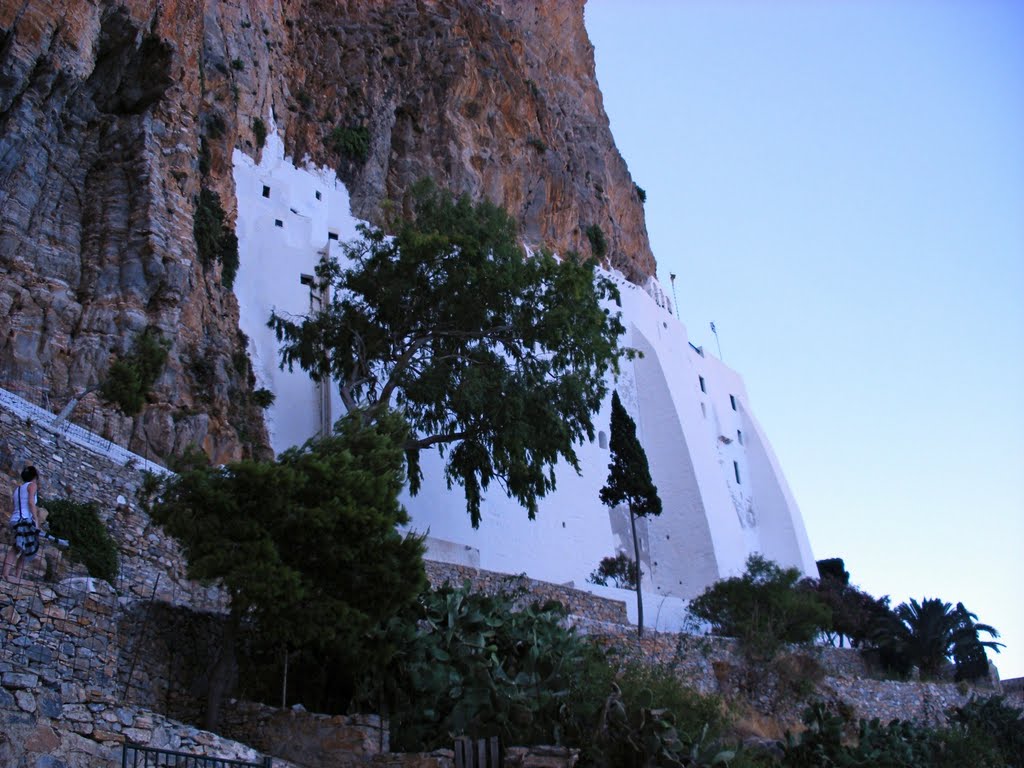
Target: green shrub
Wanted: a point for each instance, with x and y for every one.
(764, 609)
(130, 378)
(204, 374)
(259, 130)
(620, 570)
(641, 715)
(204, 156)
(215, 241)
(237, 65)
(264, 398)
(598, 242)
(351, 142)
(641, 193)
(215, 125)
(478, 665)
(482, 665)
(994, 720)
(983, 734)
(537, 144)
(89, 542)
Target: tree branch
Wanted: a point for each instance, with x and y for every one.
(399, 367)
(426, 442)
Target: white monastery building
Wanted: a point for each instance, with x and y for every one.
(723, 493)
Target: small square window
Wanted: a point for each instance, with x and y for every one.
(736, 470)
(739, 436)
(732, 399)
(332, 235)
(702, 387)
(266, 191)
(318, 195)
(278, 223)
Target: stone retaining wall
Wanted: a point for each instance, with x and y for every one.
(65, 725)
(782, 688)
(581, 605)
(515, 757)
(306, 738)
(68, 470)
(61, 631)
(1013, 689)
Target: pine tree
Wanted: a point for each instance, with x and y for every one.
(629, 482)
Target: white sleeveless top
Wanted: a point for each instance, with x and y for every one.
(22, 510)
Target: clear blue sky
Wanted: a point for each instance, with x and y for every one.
(839, 186)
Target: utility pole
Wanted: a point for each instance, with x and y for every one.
(672, 278)
(715, 331)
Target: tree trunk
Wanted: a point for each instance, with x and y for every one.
(221, 675)
(639, 578)
(284, 681)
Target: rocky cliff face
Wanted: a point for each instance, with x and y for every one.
(113, 117)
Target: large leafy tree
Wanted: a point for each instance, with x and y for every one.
(494, 356)
(856, 615)
(306, 546)
(629, 482)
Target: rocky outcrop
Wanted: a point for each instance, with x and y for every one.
(98, 176)
(114, 115)
(498, 99)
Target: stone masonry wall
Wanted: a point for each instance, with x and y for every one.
(60, 726)
(581, 605)
(781, 689)
(62, 699)
(150, 561)
(61, 632)
(326, 741)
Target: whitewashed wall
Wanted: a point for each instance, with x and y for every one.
(696, 441)
(272, 260)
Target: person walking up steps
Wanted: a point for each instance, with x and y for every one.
(23, 530)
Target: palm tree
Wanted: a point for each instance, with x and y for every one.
(969, 649)
(928, 633)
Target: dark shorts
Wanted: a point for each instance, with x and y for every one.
(26, 537)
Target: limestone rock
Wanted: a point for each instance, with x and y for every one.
(113, 116)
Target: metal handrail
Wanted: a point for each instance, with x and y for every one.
(162, 758)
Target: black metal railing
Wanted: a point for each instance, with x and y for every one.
(137, 756)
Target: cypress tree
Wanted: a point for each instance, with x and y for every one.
(629, 482)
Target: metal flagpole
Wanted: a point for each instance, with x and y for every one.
(719, 343)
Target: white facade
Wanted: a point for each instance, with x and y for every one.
(288, 218)
(723, 493)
